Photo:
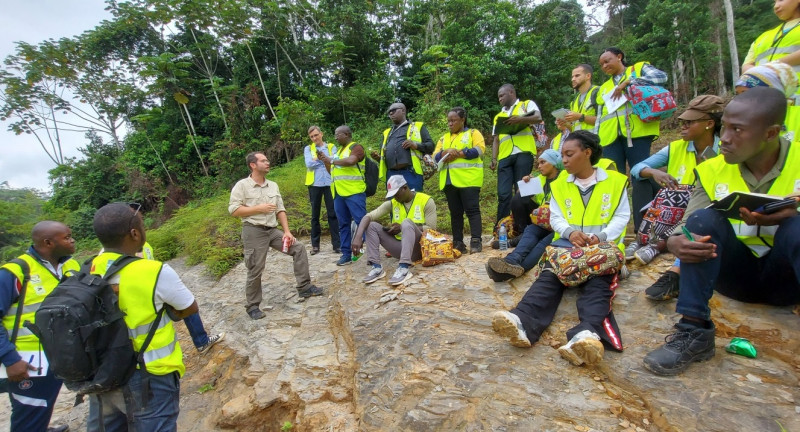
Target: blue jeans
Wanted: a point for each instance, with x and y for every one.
(414, 180)
(510, 170)
(32, 402)
(196, 330)
(349, 208)
(772, 279)
(530, 247)
(619, 152)
(159, 414)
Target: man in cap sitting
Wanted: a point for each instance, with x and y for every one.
(411, 213)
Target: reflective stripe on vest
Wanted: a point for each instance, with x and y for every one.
(413, 133)
(417, 215)
(720, 179)
(681, 162)
(41, 284)
(137, 284)
(348, 180)
(770, 46)
(524, 140)
(586, 108)
(463, 172)
(596, 215)
(310, 172)
(622, 121)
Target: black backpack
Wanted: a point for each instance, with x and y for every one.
(370, 175)
(83, 334)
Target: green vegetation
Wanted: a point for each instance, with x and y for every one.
(205, 388)
(287, 426)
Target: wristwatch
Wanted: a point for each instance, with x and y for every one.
(582, 118)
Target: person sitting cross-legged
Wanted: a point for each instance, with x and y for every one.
(754, 258)
(411, 213)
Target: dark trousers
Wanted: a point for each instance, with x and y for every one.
(32, 402)
(530, 247)
(772, 279)
(620, 153)
(460, 201)
(316, 194)
(538, 307)
(414, 180)
(521, 208)
(509, 171)
(160, 413)
(644, 191)
(348, 209)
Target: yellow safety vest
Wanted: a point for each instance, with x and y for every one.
(523, 140)
(606, 164)
(41, 284)
(147, 252)
(556, 143)
(137, 286)
(596, 215)
(542, 197)
(611, 125)
(720, 178)
(310, 172)
(774, 45)
(792, 123)
(414, 133)
(417, 215)
(463, 172)
(681, 162)
(586, 108)
(348, 180)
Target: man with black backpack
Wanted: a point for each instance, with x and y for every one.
(148, 290)
(348, 170)
(24, 283)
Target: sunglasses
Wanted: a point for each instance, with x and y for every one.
(135, 207)
(391, 111)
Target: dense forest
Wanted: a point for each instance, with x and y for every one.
(172, 94)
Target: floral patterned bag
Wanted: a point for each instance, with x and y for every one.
(437, 248)
(541, 216)
(576, 265)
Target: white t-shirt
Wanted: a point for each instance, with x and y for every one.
(169, 289)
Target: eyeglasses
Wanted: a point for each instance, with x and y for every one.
(687, 123)
(391, 111)
(135, 207)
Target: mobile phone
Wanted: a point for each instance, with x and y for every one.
(386, 228)
(774, 206)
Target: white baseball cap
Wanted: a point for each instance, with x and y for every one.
(394, 184)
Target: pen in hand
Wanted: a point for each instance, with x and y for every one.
(687, 233)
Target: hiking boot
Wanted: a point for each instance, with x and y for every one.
(475, 245)
(314, 250)
(631, 249)
(400, 275)
(665, 288)
(211, 341)
(646, 254)
(256, 314)
(374, 274)
(500, 265)
(460, 246)
(344, 260)
(688, 344)
(495, 244)
(513, 242)
(508, 325)
(311, 291)
(584, 348)
(497, 277)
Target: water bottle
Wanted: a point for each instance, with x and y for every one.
(502, 236)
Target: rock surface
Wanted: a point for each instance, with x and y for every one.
(427, 359)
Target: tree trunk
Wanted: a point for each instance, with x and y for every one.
(260, 80)
(190, 127)
(210, 75)
(159, 157)
(722, 90)
(278, 70)
(732, 41)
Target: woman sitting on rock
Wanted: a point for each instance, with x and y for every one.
(587, 206)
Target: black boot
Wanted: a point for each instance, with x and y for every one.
(688, 344)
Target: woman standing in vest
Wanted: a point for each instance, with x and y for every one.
(781, 43)
(318, 180)
(623, 135)
(587, 206)
(700, 127)
(461, 177)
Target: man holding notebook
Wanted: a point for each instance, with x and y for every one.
(754, 258)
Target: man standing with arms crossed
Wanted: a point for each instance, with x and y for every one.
(32, 397)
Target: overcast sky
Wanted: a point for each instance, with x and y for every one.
(23, 163)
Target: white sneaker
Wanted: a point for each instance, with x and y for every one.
(509, 326)
(646, 254)
(631, 249)
(374, 274)
(400, 275)
(584, 347)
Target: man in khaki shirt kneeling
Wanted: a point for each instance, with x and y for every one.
(258, 202)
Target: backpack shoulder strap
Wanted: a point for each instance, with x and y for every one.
(119, 264)
(26, 277)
